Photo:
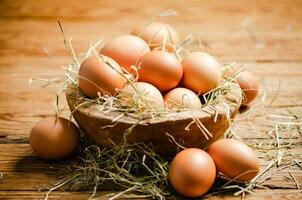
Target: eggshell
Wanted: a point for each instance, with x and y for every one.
(148, 91)
(54, 138)
(183, 97)
(201, 72)
(234, 159)
(126, 50)
(96, 75)
(249, 85)
(161, 69)
(247, 82)
(155, 33)
(192, 172)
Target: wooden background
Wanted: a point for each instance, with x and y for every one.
(265, 36)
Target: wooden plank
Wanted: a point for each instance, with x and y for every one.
(22, 170)
(136, 9)
(49, 67)
(26, 195)
(17, 124)
(259, 194)
(251, 26)
(281, 45)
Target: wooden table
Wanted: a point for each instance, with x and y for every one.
(265, 36)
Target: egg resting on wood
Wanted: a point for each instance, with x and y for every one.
(192, 172)
(234, 159)
(54, 138)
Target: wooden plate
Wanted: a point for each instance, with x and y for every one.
(103, 127)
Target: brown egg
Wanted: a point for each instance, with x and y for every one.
(54, 138)
(249, 85)
(247, 82)
(182, 97)
(234, 159)
(95, 75)
(149, 93)
(201, 72)
(192, 172)
(126, 50)
(155, 33)
(161, 69)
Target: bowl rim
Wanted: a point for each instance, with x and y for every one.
(234, 98)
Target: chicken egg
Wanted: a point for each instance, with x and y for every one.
(143, 93)
(192, 172)
(201, 72)
(234, 159)
(155, 33)
(182, 97)
(161, 69)
(249, 85)
(125, 50)
(54, 138)
(247, 82)
(100, 75)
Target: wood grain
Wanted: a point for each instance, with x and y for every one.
(264, 36)
(251, 45)
(22, 170)
(259, 194)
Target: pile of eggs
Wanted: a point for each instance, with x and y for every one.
(147, 55)
(193, 171)
(164, 77)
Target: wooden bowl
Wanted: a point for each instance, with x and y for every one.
(103, 128)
